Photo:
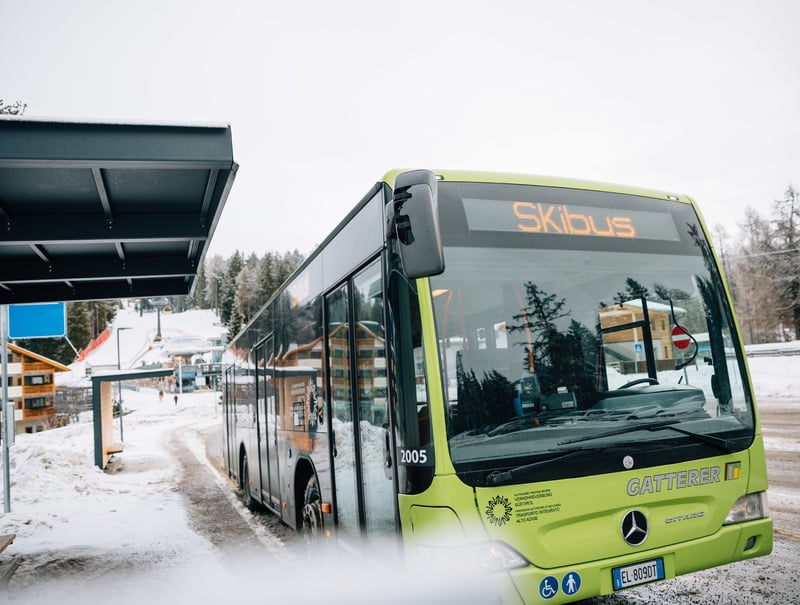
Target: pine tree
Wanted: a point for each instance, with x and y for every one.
(267, 277)
(246, 296)
(196, 298)
(235, 323)
(81, 324)
(228, 287)
(246, 284)
(215, 273)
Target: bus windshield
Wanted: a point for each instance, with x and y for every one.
(581, 326)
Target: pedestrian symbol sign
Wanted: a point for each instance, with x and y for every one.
(571, 583)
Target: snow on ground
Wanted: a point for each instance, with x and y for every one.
(775, 377)
(66, 509)
(58, 493)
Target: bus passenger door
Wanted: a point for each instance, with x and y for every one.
(268, 455)
(271, 391)
(377, 485)
(229, 411)
(341, 397)
(365, 495)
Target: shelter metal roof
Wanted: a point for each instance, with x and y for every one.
(107, 210)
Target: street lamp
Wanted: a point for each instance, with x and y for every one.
(119, 385)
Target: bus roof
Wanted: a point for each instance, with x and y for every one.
(509, 178)
(465, 176)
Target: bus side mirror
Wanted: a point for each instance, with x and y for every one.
(414, 221)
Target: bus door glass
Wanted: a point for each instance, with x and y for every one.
(344, 458)
(268, 453)
(272, 429)
(357, 345)
(261, 421)
(230, 425)
(372, 397)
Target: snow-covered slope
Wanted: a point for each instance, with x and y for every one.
(193, 330)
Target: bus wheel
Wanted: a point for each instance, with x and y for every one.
(312, 511)
(247, 496)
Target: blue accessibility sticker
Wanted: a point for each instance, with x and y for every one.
(571, 583)
(548, 588)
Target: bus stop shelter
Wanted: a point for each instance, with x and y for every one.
(103, 409)
(93, 210)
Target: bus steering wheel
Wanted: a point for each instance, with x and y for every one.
(639, 381)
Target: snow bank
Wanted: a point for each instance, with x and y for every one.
(64, 508)
(775, 377)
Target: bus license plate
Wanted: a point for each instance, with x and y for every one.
(640, 573)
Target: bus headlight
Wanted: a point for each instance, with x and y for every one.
(486, 557)
(747, 508)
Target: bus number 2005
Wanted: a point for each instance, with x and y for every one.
(413, 457)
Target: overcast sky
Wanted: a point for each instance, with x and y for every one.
(324, 97)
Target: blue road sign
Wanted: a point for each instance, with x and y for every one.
(47, 320)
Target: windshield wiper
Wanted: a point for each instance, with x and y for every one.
(503, 477)
(717, 442)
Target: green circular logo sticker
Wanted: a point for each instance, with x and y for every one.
(498, 511)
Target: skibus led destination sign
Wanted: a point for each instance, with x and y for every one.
(568, 219)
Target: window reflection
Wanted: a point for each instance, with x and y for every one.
(544, 344)
(373, 400)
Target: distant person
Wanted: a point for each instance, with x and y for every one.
(176, 399)
(161, 395)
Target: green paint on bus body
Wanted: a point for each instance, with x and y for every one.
(574, 538)
(548, 522)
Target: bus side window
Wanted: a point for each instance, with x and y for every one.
(424, 425)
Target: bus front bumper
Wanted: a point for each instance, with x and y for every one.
(582, 581)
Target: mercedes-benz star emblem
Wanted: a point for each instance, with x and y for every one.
(634, 527)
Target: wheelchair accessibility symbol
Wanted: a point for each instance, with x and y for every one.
(548, 588)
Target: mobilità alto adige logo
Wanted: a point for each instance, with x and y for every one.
(498, 511)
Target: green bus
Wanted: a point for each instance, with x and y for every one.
(535, 380)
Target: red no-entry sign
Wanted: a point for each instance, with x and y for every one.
(680, 338)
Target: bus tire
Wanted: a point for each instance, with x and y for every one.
(247, 495)
(311, 516)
